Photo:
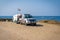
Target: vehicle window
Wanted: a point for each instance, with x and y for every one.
(28, 16)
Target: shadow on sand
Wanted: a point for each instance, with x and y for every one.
(37, 25)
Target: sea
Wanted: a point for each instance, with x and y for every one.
(56, 18)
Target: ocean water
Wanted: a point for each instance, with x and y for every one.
(57, 18)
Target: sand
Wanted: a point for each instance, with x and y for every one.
(42, 31)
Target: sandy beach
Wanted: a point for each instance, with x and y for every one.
(42, 31)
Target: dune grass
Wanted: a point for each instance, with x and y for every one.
(50, 21)
(6, 19)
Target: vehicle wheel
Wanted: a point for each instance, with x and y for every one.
(34, 24)
(26, 24)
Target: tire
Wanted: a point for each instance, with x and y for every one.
(34, 24)
(25, 23)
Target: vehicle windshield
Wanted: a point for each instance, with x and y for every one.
(28, 16)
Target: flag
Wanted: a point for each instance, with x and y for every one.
(19, 9)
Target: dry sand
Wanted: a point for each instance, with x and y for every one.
(43, 31)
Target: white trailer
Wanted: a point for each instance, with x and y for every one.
(16, 18)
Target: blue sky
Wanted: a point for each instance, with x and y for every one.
(34, 7)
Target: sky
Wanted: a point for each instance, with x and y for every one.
(33, 7)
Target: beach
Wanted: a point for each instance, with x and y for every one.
(29, 20)
(42, 31)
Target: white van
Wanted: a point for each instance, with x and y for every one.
(27, 19)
